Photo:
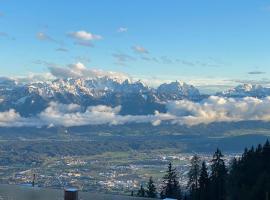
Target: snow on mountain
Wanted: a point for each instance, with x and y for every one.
(133, 96)
(246, 90)
(177, 90)
(7, 83)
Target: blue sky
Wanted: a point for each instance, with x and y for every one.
(205, 42)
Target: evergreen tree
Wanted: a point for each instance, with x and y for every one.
(266, 155)
(141, 192)
(249, 175)
(204, 183)
(218, 177)
(151, 189)
(233, 180)
(171, 187)
(193, 177)
(259, 149)
(34, 179)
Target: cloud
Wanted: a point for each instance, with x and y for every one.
(256, 72)
(147, 58)
(166, 60)
(72, 71)
(263, 81)
(62, 49)
(122, 59)
(45, 63)
(32, 77)
(73, 115)
(219, 109)
(79, 70)
(207, 64)
(42, 36)
(186, 62)
(84, 43)
(13, 119)
(9, 116)
(83, 59)
(70, 115)
(140, 49)
(184, 112)
(84, 36)
(4, 34)
(122, 29)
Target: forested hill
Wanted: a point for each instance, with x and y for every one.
(246, 178)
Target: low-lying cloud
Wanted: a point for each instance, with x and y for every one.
(220, 109)
(184, 112)
(73, 115)
(13, 119)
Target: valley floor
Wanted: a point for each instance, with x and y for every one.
(110, 162)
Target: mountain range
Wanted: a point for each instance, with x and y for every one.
(135, 97)
(246, 90)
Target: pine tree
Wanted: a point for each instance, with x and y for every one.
(141, 192)
(204, 183)
(266, 155)
(249, 175)
(259, 149)
(193, 175)
(151, 189)
(171, 187)
(218, 177)
(233, 179)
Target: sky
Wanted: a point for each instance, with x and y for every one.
(211, 44)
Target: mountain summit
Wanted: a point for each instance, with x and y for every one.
(134, 96)
(246, 90)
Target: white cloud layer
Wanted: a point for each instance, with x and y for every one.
(213, 109)
(13, 119)
(219, 109)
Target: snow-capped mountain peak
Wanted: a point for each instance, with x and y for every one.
(135, 97)
(245, 90)
(178, 90)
